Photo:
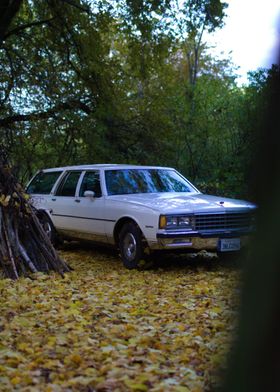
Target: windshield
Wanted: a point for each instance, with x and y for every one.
(129, 181)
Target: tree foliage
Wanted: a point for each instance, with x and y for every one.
(116, 81)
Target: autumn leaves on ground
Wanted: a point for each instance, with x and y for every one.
(105, 328)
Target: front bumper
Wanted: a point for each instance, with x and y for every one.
(196, 241)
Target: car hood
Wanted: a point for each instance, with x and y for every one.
(183, 202)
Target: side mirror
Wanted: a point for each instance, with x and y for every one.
(89, 194)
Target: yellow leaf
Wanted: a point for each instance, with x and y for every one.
(22, 346)
(181, 388)
(134, 386)
(15, 380)
(4, 200)
(75, 358)
(51, 341)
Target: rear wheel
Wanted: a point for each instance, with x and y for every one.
(48, 227)
(131, 246)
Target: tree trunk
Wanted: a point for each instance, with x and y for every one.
(24, 245)
(255, 362)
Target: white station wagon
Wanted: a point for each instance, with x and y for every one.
(138, 209)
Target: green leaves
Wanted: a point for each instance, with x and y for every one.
(122, 81)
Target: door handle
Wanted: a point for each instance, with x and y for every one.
(53, 199)
(77, 200)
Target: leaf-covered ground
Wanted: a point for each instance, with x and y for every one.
(104, 328)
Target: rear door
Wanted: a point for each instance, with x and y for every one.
(63, 203)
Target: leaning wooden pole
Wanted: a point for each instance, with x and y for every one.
(24, 246)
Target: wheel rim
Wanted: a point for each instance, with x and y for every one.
(129, 246)
(47, 228)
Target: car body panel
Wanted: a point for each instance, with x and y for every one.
(177, 203)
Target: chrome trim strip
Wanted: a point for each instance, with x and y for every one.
(205, 234)
(196, 244)
(84, 217)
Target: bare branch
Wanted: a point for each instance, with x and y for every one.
(11, 79)
(8, 10)
(78, 6)
(70, 105)
(18, 29)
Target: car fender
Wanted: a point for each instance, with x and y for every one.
(148, 226)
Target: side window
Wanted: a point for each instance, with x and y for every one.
(43, 182)
(91, 182)
(68, 185)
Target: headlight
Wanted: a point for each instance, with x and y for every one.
(174, 222)
(184, 221)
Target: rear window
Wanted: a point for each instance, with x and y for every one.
(91, 182)
(43, 182)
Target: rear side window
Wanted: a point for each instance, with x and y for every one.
(69, 184)
(91, 182)
(43, 182)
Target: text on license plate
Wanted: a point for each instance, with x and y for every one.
(229, 244)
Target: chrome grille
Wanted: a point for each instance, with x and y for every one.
(223, 221)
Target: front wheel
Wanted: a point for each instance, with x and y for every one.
(238, 257)
(131, 246)
(229, 257)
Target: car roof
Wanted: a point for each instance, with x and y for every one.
(104, 166)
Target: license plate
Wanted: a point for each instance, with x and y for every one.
(229, 244)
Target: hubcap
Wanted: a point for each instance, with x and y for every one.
(47, 228)
(129, 246)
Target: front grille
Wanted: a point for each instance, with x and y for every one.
(226, 221)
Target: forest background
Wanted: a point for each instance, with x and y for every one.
(128, 81)
(134, 81)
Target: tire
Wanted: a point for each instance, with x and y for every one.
(229, 256)
(238, 257)
(48, 227)
(131, 246)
